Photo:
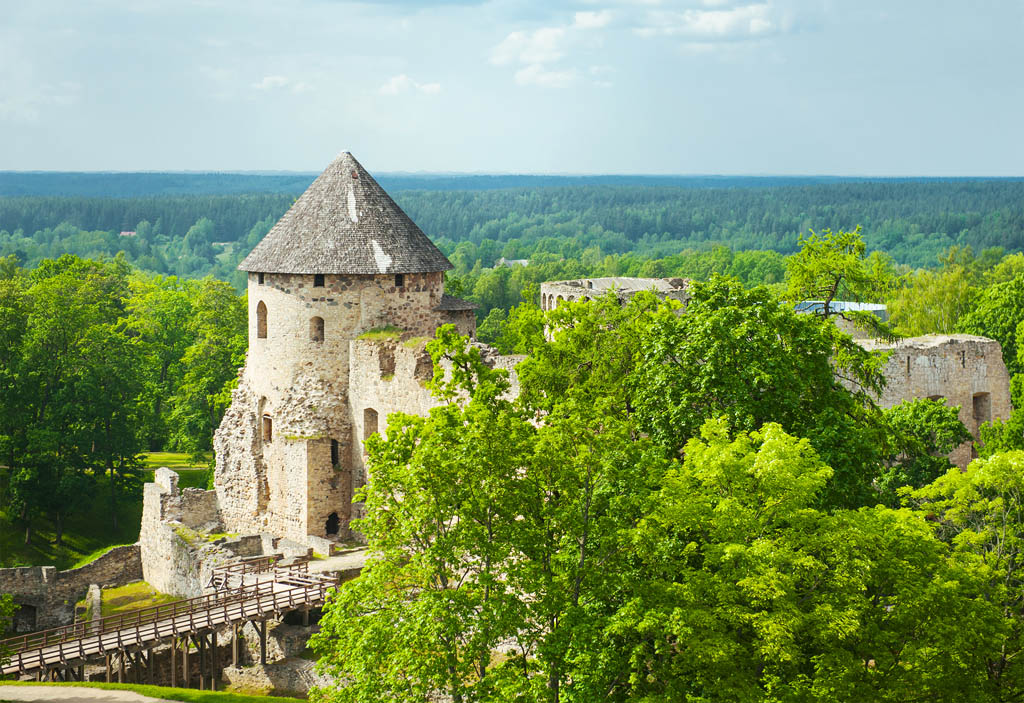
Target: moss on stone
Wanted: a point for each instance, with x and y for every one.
(387, 333)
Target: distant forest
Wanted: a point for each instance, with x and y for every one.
(194, 225)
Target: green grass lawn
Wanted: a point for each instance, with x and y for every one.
(132, 596)
(173, 694)
(172, 460)
(90, 532)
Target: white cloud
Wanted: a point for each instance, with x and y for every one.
(543, 45)
(744, 22)
(271, 83)
(280, 83)
(403, 83)
(592, 20)
(534, 51)
(536, 74)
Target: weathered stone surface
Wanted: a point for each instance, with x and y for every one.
(961, 369)
(288, 677)
(552, 292)
(47, 597)
(178, 555)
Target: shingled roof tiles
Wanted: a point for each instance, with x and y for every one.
(345, 223)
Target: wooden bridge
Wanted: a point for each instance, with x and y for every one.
(247, 592)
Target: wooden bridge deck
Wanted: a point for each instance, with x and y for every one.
(259, 594)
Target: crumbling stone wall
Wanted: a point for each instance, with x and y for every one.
(178, 554)
(553, 292)
(47, 597)
(961, 369)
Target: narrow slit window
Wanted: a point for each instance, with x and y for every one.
(261, 320)
(259, 278)
(318, 280)
(268, 429)
(335, 452)
(399, 280)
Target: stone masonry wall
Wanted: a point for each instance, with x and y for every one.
(963, 370)
(178, 555)
(48, 596)
(389, 377)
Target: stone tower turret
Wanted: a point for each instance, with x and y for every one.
(344, 260)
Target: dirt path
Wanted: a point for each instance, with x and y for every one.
(71, 694)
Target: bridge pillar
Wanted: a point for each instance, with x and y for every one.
(263, 641)
(174, 669)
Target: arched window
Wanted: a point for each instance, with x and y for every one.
(316, 329)
(268, 429)
(261, 320)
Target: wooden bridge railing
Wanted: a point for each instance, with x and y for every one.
(159, 621)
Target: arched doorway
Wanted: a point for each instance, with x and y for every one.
(333, 524)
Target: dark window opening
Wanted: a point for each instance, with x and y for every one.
(318, 280)
(399, 280)
(982, 407)
(259, 278)
(268, 428)
(335, 453)
(25, 619)
(369, 423)
(261, 320)
(316, 329)
(333, 524)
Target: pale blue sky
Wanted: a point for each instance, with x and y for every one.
(847, 87)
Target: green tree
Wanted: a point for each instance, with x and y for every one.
(980, 514)
(998, 314)
(833, 267)
(921, 433)
(218, 328)
(740, 354)
(432, 602)
(932, 302)
(747, 592)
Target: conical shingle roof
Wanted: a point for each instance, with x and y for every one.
(345, 223)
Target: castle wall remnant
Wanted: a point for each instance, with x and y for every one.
(176, 551)
(46, 597)
(553, 292)
(959, 369)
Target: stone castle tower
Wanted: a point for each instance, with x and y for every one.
(344, 260)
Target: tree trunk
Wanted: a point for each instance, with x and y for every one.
(59, 522)
(28, 533)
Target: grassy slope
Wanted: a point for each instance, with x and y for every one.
(173, 694)
(88, 533)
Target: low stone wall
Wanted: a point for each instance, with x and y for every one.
(287, 677)
(47, 597)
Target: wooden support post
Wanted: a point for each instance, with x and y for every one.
(186, 675)
(81, 672)
(263, 641)
(109, 679)
(202, 662)
(234, 644)
(150, 668)
(120, 666)
(305, 617)
(136, 665)
(174, 652)
(213, 660)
